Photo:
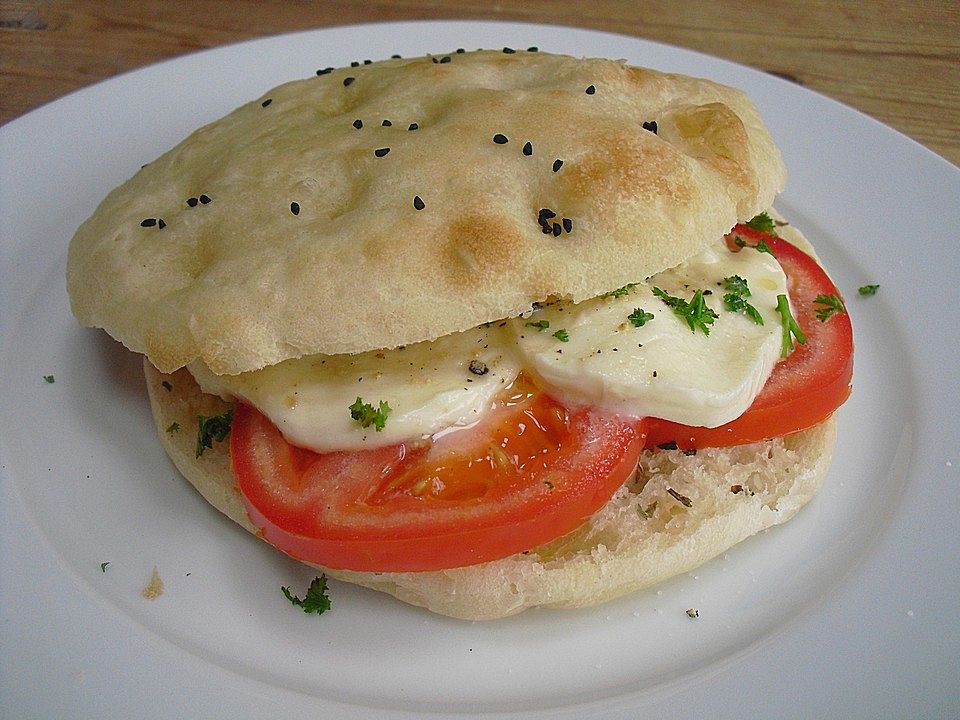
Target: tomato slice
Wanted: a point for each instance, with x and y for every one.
(806, 387)
(529, 472)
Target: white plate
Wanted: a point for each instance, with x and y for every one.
(849, 610)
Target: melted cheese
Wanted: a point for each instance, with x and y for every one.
(662, 369)
(429, 387)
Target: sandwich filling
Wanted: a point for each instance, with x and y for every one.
(538, 429)
(628, 352)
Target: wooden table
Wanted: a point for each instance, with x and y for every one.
(897, 61)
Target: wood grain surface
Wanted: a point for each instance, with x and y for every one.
(896, 61)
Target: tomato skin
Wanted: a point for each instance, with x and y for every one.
(342, 520)
(805, 388)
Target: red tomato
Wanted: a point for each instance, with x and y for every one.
(528, 473)
(531, 471)
(806, 387)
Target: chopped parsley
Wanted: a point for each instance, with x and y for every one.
(315, 601)
(103, 566)
(213, 427)
(762, 222)
(367, 415)
(639, 317)
(620, 291)
(562, 335)
(759, 247)
(790, 327)
(174, 427)
(540, 325)
(869, 290)
(695, 312)
(831, 305)
(736, 298)
(48, 379)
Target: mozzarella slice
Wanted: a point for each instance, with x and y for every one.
(430, 386)
(663, 368)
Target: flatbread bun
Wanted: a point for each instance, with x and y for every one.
(377, 206)
(641, 537)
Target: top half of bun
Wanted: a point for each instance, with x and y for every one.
(290, 227)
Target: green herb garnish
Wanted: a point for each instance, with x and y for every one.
(639, 317)
(761, 246)
(831, 305)
(103, 566)
(790, 327)
(736, 298)
(48, 378)
(213, 427)
(540, 325)
(367, 415)
(762, 222)
(316, 600)
(562, 335)
(174, 427)
(621, 291)
(869, 290)
(695, 312)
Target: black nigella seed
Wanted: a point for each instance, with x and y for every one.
(460, 51)
(651, 125)
(348, 81)
(386, 123)
(355, 63)
(192, 202)
(325, 71)
(413, 126)
(444, 59)
(358, 123)
(368, 62)
(567, 224)
(557, 164)
(149, 222)
(161, 224)
(500, 139)
(395, 57)
(591, 90)
(533, 48)
(435, 61)
(380, 152)
(547, 230)
(418, 203)
(295, 208)
(204, 199)
(527, 148)
(557, 230)
(509, 51)
(266, 102)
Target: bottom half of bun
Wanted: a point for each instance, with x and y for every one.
(679, 511)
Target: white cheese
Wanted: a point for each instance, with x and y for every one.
(429, 387)
(663, 368)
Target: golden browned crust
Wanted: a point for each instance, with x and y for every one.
(243, 282)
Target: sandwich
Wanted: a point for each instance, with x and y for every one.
(482, 330)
